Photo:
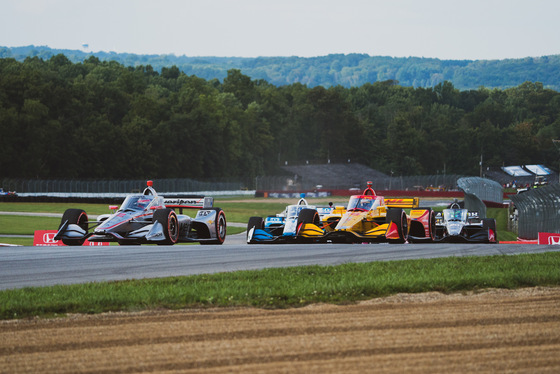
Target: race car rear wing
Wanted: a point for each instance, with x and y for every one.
(412, 202)
(189, 202)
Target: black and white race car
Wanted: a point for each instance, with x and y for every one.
(463, 226)
(147, 218)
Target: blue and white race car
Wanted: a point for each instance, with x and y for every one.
(283, 227)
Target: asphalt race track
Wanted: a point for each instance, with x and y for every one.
(44, 266)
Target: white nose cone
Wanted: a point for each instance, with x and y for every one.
(454, 228)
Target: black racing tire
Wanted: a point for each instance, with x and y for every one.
(433, 225)
(168, 219)
(398, 216)
(77, 217)
(490, 223)
(254, 222)
(308, 216)
(220, 224)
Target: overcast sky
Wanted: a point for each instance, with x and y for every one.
(445, 29)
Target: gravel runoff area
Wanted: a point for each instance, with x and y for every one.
(506, 331)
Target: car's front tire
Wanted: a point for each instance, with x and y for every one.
(168, 219)
(75, 217)
(220, 225)
(254, 223)
(398, 216)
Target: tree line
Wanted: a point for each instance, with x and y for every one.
(101, 119)
(347, 70)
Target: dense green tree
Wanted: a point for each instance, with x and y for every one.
(100, 119)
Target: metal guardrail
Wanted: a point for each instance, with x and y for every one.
(537, 210)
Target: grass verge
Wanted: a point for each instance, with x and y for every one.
(287, 287)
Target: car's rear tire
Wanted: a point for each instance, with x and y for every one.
(75, 217)
(220, 224)
(432, 225)
(398, 216)
(168, 219)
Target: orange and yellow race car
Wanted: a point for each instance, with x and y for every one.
(371, 218)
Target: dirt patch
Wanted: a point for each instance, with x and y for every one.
(490, 331)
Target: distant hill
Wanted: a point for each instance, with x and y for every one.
(337, 69)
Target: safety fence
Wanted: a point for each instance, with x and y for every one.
(262, 183)
(537, 210)
(345, 182)
(485, 189)
(35, 186)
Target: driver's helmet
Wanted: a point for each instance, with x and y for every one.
(365, 204)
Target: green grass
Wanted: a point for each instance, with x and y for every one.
(26, 225)
(287, 287)
(501, 216)
(95, 209)
(17, 241)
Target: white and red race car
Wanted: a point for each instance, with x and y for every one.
(147, 218)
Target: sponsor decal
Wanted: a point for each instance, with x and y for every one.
(45, 238)
(547, 238)
(184, 202)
